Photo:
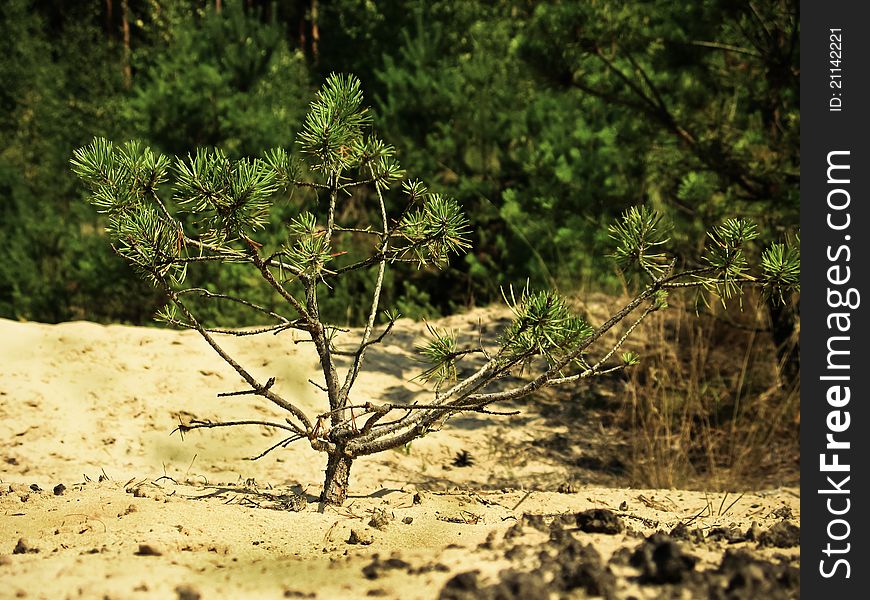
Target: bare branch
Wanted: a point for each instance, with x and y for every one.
(726, 48)
(197, 424)
(310, 184)
(275, 329)
(269, 383)
(278, 400)
(282, 444)
(373, 312)
(267, 275)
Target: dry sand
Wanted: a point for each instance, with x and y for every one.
(100, 499)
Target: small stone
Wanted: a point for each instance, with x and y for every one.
(515, 530)
(623, 506)
(567, 487)
(359, 536)
(59, 489)
(149, 550)
(782, 535)
(783, 512)
(380, 519)
(599, 520)
(730, 535)
(680, 532)
(377, 567)
(661, 560)
(463, 585)
(408, 520)
(24, 547)
(753, 533)
(35, 487)
(187, 592)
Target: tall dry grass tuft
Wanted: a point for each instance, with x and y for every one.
(705, 408)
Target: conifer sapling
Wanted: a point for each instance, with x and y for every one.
(147, 196)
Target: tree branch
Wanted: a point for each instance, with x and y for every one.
(261, 390)
(352, 374)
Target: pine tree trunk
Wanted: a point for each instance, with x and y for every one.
(125, 28)
(110, 19)
(315, 29)
(337, 477)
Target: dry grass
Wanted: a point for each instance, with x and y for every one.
(705, 408)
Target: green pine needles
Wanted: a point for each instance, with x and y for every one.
(165, 216)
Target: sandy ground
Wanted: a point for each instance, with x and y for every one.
(100, 499)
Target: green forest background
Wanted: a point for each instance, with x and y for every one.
(544, 120)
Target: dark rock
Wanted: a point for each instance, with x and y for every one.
(535, 521)
(59, 489)
(680, 532)
(375, 569)
(782, 535)
(732, 536)
(599, 520)
(463, 586)
(748, 578)
(187, 592)
(24, 547)
(515, 531)
(148, 550)
(512, 585)
(517, 585)
(578, 566)
(661, 560)
(360, 536)
(381, 518)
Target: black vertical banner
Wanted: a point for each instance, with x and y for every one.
(835, 234)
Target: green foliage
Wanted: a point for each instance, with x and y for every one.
(225, 79)
(638, 235)
(542, 325)
(781, 266)
(726, 255)
(231, 198)
(333, 126)
(433, 231)
(544, 121)
(310, 250)
(441, 353)
(724, 268)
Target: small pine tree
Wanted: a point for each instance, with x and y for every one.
(231, 202)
